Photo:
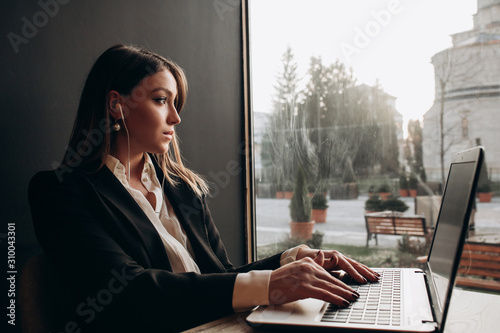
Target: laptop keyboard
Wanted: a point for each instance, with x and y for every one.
(379, 303)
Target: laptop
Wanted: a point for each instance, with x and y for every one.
(405, 299)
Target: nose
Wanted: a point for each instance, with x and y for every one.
(173, 117)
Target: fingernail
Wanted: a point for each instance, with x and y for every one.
(355, 295)
(346, 303)
(317, 254)
(331, 258)
(365, 280)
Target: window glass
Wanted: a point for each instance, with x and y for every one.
(357, 108)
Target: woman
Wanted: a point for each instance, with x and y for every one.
(127, 226)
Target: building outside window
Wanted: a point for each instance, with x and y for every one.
(465, 128)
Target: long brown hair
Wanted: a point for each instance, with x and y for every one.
(121, 68)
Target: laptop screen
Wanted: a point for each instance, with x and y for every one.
(447, 239)
(450, 231)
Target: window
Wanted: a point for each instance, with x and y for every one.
(354, 101)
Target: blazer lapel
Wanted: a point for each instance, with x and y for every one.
(191, 214)
(110, 188)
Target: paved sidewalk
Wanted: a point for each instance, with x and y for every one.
(346, 224)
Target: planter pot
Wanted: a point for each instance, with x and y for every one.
(413, 193)
(301, 230)
(384, 195)
(288, 194)
(484, 196)
(371, 211)
(280, 195)
(318, 215)
(403, 193)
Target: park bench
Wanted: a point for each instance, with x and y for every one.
(480, 266)
(394, 223)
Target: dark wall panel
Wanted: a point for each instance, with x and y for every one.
(42, 77)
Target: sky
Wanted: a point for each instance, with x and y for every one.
(391, 41)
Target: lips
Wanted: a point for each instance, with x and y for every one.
(169, 134)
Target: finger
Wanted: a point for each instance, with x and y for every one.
(320, 258)
(357, 271)
(342, 290)
(328, 281)
(343, 285)
(327, 296)
(364, 270)
(331, 262)
(338, 274)
(335, 260)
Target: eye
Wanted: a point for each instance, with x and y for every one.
(161, 100)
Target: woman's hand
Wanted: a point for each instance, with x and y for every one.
(306, 278)
(334, 260)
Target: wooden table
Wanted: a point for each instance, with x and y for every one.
(470, 312)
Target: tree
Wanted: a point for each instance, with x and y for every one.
(277, 151)
(286, 142)
(415, 159)
(335, 117)
(379, 146)
(316, 116)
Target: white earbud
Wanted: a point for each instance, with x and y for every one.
(119, 107)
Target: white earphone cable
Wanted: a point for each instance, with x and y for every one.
(128, 144)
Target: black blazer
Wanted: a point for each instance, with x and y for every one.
(114, 263)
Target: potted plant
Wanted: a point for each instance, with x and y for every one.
(394, 204)
(311, 188)
(350, 183)
(288, 189)
(484, 192)
(373, 204)
(384, 191)
(280, 194)
(412, 185)
(301, 225)
(372, 190)
(323, 188)
(403, 185)
(319, 206)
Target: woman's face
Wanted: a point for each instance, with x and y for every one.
(150, 114)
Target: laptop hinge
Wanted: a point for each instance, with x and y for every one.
(433, 323)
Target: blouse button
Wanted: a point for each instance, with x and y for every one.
(145, 179)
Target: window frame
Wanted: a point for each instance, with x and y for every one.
(250, 213)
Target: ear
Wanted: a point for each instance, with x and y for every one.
(114, 98)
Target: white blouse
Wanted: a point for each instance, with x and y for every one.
(250, 289)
